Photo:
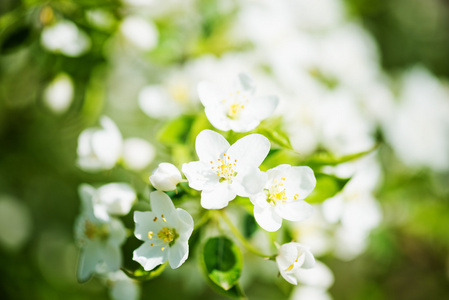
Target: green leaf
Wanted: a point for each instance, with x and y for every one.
(176, 131)
(143, 275)
(327, 186)
(249, 225)
(277, 136)
(222, 262)
(327, 159)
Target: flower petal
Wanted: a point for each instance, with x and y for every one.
(301, 181)
(250, 151)
(178, 253)
(298, 210)
(199, 175)
(210, 145)
(217, 198)
(218, 118)
(249, 182)
(184, 223)
(161, 203)
(209, 93)
(89, 257)
(149, 257)
(144, 224)
(267, 218)
(245, 83)
(263, 107)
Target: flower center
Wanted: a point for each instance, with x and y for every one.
(225, 168)
(166, 234)
(93, 231)
(277, 193)
(235, 104)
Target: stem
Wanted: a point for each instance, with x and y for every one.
(241, 238)
(203, 220)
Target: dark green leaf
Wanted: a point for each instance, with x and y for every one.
(222, 262)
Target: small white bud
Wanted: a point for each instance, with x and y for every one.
(165, 177)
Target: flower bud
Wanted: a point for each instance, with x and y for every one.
(292, 257)
(165, 177)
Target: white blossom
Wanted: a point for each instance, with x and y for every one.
(291, 258)
(66, 38)
(100, 240)
(165, 231)
(137, 153)
(281, 196)
(113, 199)
(99, 148)
(224, 171)
(165, 177)
(237, 108)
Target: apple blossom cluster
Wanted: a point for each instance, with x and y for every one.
(222, 173)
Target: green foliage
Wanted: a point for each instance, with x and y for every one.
(327, 186)
(143, 275)
(222, 263)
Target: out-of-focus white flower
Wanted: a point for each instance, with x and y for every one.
(113, 199)
(310, 292)
(236, 108)
(355, 208)
(66, 38)
(141, 32)
(100, 18)
(319, 276)
(165, 177)
(15, 223)
(99, 148)
(291, 258)
(58, 95)
(122, 287)
(351, 134)
(99, 240)
(418, 130)
(159, 102)
(225, 171)
(281, 196)
(165, 231)
(137, 153)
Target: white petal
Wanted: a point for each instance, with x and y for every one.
(267, 218)
(161, 203)
(116, 197)
(149, 257)
(263, 107)
(301, 180)
(117, 232)
(184, 223)
(165, 177)
(209, 93)
(87, 264)
(86, 193)
(217, 198)
(111, 257)
(144, 224)
(177, 254)
(243, 124)
(289, 277)
(288, 253)
(245, 83)
(199, 175)
(218, 118)
(249, 182)
(250, 151)
(298, 210)
(259, 199)
(210, 145)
